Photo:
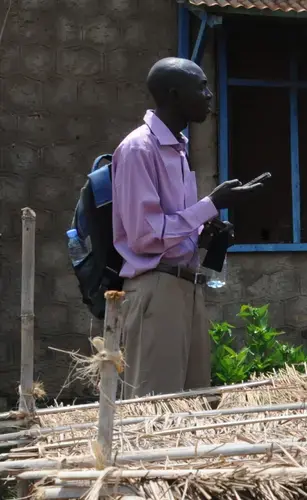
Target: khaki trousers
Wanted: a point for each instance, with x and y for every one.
(165, 335)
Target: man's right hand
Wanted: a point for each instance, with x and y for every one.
(230, 193)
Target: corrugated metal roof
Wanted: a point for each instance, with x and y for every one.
(273, 5)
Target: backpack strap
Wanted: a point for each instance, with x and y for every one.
(101, 184)
(98, 160)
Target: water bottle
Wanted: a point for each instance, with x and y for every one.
(218, 280)
(77, 250)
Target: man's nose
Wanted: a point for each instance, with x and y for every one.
(209, 94)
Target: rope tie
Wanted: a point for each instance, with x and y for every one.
(105, 355)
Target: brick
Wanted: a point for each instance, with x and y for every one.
(36, 27)
(82, 7)
(78, 61)
(303, 280)
(37, 128)
(101, 31)
(20, 158)
(37, 4)
(277, 314)
(9, 222)
(9, 60)
(123, 6)
(132, 99)
(66, 288)
(50, 190)
(80, 128)
(22, 92)
(120, 64)
(60, 94)
(62, 217)
(38, 61)
(13, 189)
(44, 222)
(117, 63)
(8, 127)
(230, 312)
(296, 312)
(11, 32)
(283, 284)
(120, 4)
(97, 95)
(80, 320)
(135, 33)
(52, 318)
(214, 312)
(52, 256)
(68, 30)
(62, 156)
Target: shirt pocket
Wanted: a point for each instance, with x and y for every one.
(190, 189)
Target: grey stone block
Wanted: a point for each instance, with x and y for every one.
(78, 62)
(296, 312)
(22, 93)
(37, 61)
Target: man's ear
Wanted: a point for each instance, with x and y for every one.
(173, 93)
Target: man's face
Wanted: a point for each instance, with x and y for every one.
(194, 97)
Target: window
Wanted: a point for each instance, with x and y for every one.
(262, 68)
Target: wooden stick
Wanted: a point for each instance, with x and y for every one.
(60, 492)
(34, 433)
(48, 446)
(157, 455)
(137, 420)
(206, 391)
(22, 488)
(26, 403)
(108, 373)
(92, 475)
(185, 394)
(223, 425)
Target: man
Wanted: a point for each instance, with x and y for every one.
(156, 223)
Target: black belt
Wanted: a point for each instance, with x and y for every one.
(182, 272)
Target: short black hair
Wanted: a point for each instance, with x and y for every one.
(169, 73)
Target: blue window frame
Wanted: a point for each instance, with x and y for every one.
(293, 85)
(224, 83)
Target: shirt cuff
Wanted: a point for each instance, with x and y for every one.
(206, 210)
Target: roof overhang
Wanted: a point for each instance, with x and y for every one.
(295, 7)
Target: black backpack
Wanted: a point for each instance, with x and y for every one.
(99, 271)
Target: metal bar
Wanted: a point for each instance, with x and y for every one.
(183, 32)
(295, 166)
(250, 82)
(198, 50)
(275, 247)
(184, 39)
(222, 111)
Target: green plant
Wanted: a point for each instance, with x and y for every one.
(263, 352)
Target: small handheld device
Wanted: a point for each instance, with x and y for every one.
(260, 178)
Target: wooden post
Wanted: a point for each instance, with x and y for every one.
(108, 374)
(26, 402)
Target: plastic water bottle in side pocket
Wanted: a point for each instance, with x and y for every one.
(76, 248)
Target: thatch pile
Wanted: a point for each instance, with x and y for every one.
(253, 446)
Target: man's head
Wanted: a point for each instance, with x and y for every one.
(180, 86)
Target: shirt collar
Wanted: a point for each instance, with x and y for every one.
(161, 131)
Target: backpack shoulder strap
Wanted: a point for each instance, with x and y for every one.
(101, 184)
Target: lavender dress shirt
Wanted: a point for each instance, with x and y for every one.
(156, 215)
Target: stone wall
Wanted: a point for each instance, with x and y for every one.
(71, 85)
(279, 279)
